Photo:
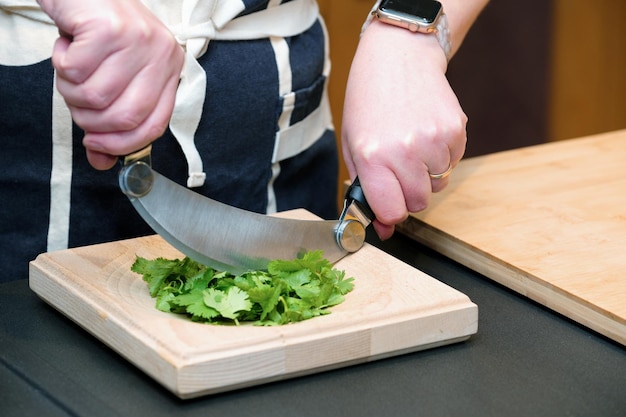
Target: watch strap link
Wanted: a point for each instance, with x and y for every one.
(443, 35)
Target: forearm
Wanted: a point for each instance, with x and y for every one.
(461, 14)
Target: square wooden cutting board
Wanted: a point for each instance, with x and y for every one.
(548, 221)
(393, 309)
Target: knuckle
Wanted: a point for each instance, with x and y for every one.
(417, 207)
(391, 216)
(129, 119)
(94, 98)
(155, 130)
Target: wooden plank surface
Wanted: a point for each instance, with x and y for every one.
(548, 221)
(393, 309)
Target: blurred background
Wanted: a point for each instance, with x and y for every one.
(528, 72)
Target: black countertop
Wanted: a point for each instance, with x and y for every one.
(525, 360)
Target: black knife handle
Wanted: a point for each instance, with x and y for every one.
(355, 194)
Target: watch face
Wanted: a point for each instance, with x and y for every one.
(425, 10)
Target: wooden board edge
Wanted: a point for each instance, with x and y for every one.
(513, 278)
(86, 314)
(368, 340)
(190, 394)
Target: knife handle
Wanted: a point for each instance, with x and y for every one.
(355, 194)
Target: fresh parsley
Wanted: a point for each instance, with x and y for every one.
(289, 291)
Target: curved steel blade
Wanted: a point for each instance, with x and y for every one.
(228, 238)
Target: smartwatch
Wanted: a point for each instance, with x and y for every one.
(420, 16)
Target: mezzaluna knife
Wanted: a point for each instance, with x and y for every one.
(231, 239)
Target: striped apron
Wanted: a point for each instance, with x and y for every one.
(251, 126)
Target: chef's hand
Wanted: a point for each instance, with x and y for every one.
(118, 69)
(401, 122)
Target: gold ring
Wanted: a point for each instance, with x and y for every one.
(442, 175)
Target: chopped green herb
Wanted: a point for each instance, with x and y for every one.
(289, 291)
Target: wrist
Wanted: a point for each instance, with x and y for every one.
(419, 48)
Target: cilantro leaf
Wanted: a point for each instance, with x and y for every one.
(289, 291)
(267, 296)
(164, 301)
(227, 303)
(193, 303)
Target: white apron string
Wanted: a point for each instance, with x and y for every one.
(284, 20)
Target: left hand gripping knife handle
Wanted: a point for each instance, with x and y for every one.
(354, 219)
(136, 177)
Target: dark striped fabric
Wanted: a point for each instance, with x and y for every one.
(235, 139)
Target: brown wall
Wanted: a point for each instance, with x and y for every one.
(500, 76)
(588, 68)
